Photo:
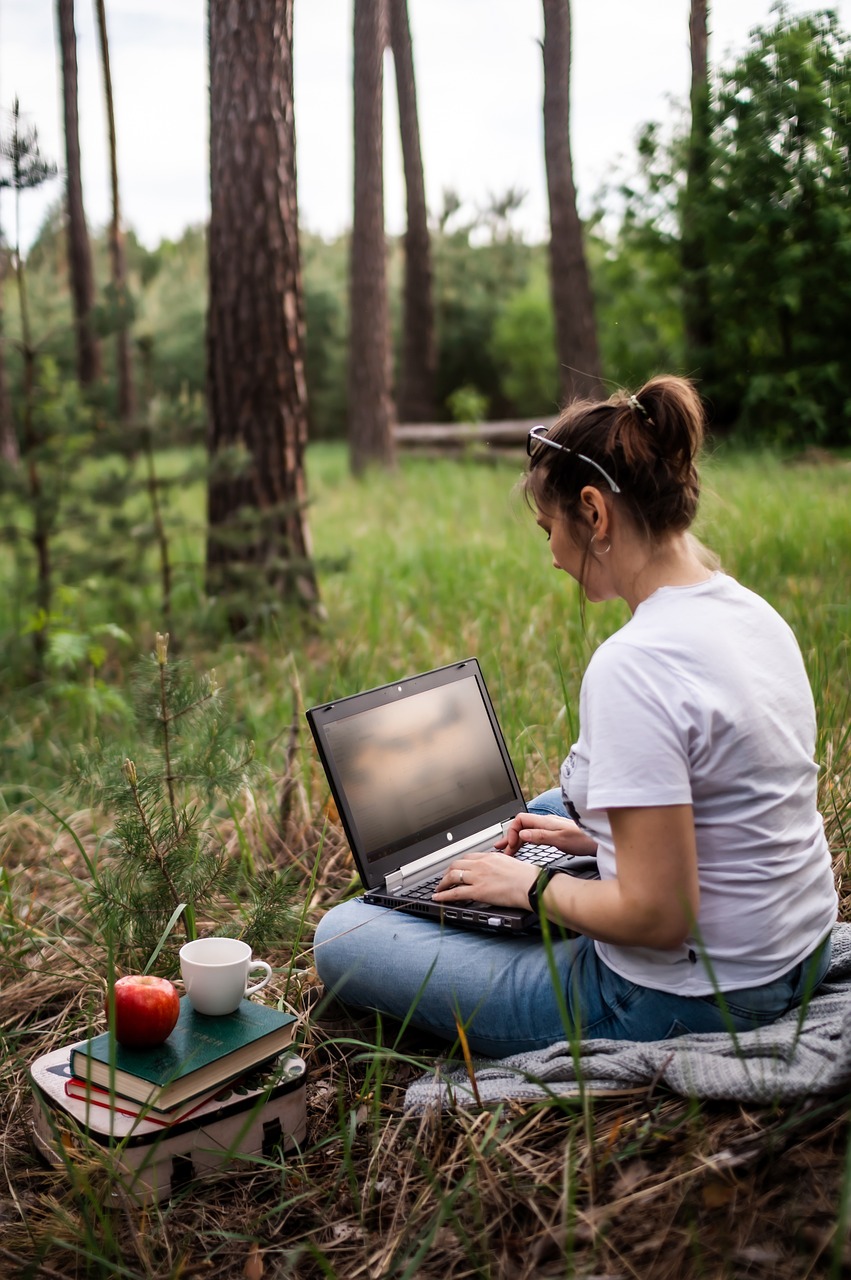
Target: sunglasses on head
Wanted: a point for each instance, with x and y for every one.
(538, 436)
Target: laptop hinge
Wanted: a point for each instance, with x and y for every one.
(429, 864)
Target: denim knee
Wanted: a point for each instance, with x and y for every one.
(334, 952)
(548, 802)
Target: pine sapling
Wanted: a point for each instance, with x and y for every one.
(168, 860)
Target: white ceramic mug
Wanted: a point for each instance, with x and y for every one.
(215, 974)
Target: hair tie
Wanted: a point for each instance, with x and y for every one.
(635, 403)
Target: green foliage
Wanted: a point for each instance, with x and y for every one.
(22, 166)
(467, 404)
(34, 495)
(478, 262)
(488, 285)
(325, 279)
(776, 225)
(774, 216)
(523, 346)
(103, 525)
(780, 223)
(172, 314)
(165, 848)
(637, 288)
(49, 305)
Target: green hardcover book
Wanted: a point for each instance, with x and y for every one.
(200, 1052)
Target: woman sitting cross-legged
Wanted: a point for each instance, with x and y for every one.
(692, 779)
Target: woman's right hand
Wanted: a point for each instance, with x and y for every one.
(545, 828)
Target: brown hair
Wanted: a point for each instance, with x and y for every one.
(647, 442)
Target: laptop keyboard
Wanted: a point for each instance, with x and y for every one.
(541, 854)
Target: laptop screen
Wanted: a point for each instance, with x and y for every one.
(416, 767)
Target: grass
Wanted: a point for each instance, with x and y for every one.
(441, 563)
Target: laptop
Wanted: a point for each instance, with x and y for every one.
(420, 773)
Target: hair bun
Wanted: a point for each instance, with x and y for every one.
(674, 412)
(648, 440)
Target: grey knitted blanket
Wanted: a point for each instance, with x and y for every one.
(806, 1052)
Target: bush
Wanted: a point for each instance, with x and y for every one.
(524, 348)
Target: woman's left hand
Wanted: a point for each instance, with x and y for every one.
(488, 877)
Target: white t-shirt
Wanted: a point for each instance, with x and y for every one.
(703, 699)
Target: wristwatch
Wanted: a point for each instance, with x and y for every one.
(538, 886)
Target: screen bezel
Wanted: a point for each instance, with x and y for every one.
(373, 874)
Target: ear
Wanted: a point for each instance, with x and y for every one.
(594, 510)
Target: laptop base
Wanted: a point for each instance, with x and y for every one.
(482, 915)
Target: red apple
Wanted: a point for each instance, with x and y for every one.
(146, 1010)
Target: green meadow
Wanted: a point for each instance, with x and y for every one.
(435, 562)
(445, 560)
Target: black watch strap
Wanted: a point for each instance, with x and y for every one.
(538, 886)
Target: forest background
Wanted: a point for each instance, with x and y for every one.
(637, 287)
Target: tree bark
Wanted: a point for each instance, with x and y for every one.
(79, 249)
(573, 301)
(9, 451)
(415, 398)
(255, 328)
(118, 261)
(29, 447)
(697, 302)
(370, 409)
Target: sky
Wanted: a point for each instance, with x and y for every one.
(479, 89)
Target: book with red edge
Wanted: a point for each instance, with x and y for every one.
(95, 1096)
(200, 1053)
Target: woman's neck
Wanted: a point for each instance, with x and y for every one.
(676, 562)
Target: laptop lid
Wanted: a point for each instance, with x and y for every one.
(416, 767)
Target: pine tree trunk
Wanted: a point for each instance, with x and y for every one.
(697, 303)
(370, 409)
(79, 249)
(30, 442)
(419, 354)
(9, 450)
(118, 262)
(573, 301)
(255, 327)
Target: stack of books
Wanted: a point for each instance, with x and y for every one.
(216, 1090)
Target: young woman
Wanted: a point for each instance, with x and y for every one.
(692, 780)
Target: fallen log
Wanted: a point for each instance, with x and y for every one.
(448, 438)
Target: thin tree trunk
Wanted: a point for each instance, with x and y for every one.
(419, 354)
(371, 410)
(29, 448)
(573, 301)
(79, 249)
(9, 450)
(153, 486)
(255, 328)
(697, 303)
(118, 262)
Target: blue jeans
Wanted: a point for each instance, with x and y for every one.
(513, 994)
(549, 802)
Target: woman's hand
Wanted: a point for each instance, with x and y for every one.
(488, 877)
(546, 828)
(653, 901)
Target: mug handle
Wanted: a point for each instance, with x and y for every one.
(259, 964)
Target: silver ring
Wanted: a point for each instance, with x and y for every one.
(460, 875)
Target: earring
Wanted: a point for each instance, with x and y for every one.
(603, 551)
